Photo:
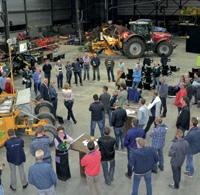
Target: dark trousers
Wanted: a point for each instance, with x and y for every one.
(108, 170)
(86, 72)
(68, 77)
(176, 171)
(36, 87)
(163, 106)
(149, 123)
(60, 81)
(69, 105)
(129, 165)
(54, 102)
(96, 71)
(76, 75)
(48, 76)
(110, 74)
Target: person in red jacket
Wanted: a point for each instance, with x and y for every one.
(92, 163)
(8, 86)
(181, 93)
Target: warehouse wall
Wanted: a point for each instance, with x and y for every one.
(39, 12)
(148, 9)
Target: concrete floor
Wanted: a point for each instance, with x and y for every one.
(121, 185)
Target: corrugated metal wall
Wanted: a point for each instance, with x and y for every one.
(38, 12)
(149, 8)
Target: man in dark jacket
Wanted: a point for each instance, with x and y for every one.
(119, 117)
(97, 110)
(15, 157)
(41, 141)
(109, 63)
(105, 100)
(53, 97)
(107, 149)
(47, 70)
(130, 143)
(183, 120)
(193, 138)
(77, 71)
(143, 161)
(163, 93)
(44, 90)
(95, 62)
(177, 152)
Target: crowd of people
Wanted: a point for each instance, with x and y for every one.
(142, 160)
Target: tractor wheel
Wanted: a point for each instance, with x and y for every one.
(45, 115)
(43, 106)
(134, 48)
(50, 130)
(164, 48)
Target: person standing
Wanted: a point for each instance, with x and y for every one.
(109, 63)
(47, 70)
(77, 72)
(68, 101)
(137, 76)
(97, 111)
(163, 93)
(68, 68)
(3, 81)
(92, 165)
(119, 117)
(27, 75)
(156, 76)
(44, 90)
(158, 142)
(107, 149)
(154, 108)
(192, 138)
(16, 158)
(122, 95)
(183, 119)
(177, 152)
(42, 176)
(86, 67)
(105, 100)
(53, 97)
(62, 141)
(143, 114)
(95, 62)
(37, 79)
(130, 143)
(59, 69)
(41, 141)
(181, 93)
(143, 160)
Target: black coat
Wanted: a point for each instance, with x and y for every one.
(119, 117)
(44, 92)
(183, 120)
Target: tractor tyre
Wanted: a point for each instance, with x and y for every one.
(45, 115)
(44, 106)
(134, 48)
(164, 48)
(50, 130)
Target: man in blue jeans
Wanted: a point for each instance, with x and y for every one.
(143, 160)
(119, 117)
(193, 138)
(107, 149)
(97, 111)
(130, 143)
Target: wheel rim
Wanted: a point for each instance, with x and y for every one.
(135, 49)
(164, 49)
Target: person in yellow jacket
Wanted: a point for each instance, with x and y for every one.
(59, 70)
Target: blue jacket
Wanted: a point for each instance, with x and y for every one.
(15, 151)
(137, 75)
(36, 77)
(130, 138)
(143, 159)
(95, 62)
(133, 95)
(193, 138)
(76, 66)
(42, 175)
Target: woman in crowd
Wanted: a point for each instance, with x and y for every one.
(68, 101)
(137, 76)
(68, 68)
(62, 143)
(37, 79)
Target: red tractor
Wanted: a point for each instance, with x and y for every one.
(140, 38)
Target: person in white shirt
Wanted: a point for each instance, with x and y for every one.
(68, 101)
(154, 108)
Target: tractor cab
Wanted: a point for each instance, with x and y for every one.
(141, 28)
